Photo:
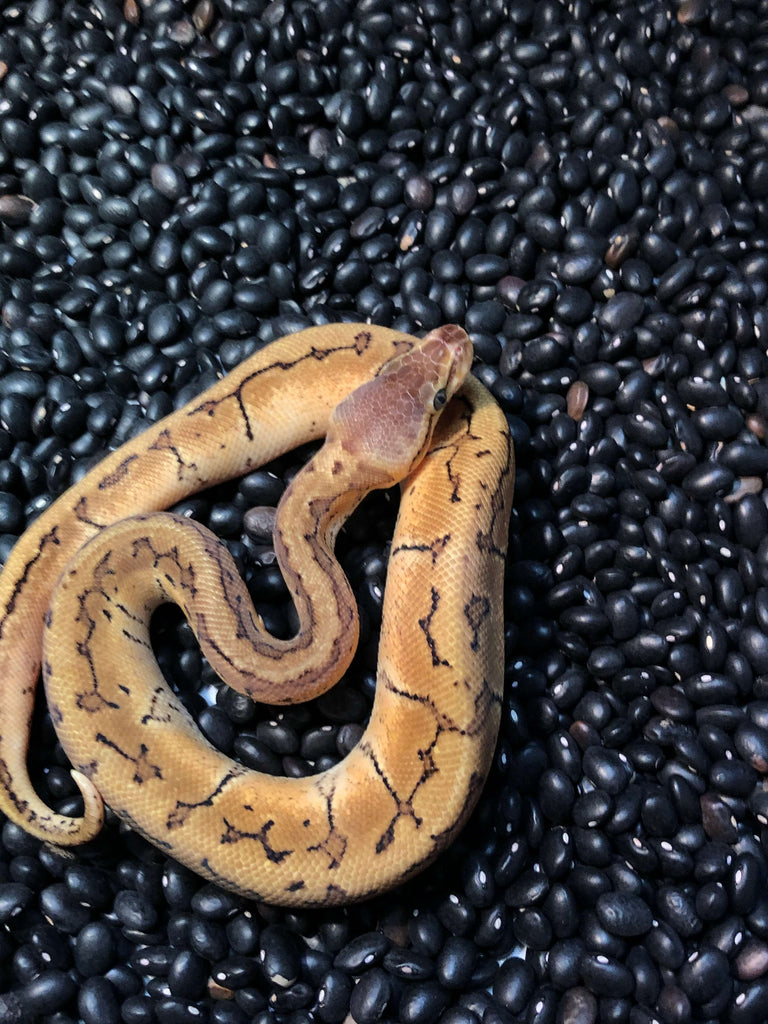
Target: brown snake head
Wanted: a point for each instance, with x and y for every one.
(387, 423)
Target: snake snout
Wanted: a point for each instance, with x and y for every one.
(453, 349)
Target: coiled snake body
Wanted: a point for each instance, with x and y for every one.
(409, 785)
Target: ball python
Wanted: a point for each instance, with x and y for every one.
(79, 588)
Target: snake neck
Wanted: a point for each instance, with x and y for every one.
(318, 502)
(311, 512)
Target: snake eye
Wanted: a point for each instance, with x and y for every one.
(440, 399)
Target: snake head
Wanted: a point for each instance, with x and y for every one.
(386, 424)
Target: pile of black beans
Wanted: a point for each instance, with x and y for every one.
(584, 187)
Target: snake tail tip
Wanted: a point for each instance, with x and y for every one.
(93, 813)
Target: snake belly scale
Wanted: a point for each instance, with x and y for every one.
(392, 407)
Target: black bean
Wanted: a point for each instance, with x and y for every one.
(514, 984)
(545, 230)
(708, 479)
(50, 991)
(750, 960)
(408, 964)
(676, 907)
(579, 1005)
(743, 883)
(747, 1004)
(457, 914)
(704, 975)
(623, 615)
(753, 643)
(456, 962)
(207, 938)
(623, 914)
(556, 794)
(333, 997)
(744, 458)
(60, 906)
(422, 1003)
(606, 976)
(532, 928)
(371, 996)
(95, 949)
(462, 196)
(13, 898)
(368, 948)
(608, 770)
(751, 741)
(485, 268)
(97, 1002)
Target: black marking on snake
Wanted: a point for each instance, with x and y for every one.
(454, 447)
(443, 839)
(81, 513)
(132, 617)
(400, 346)
(334, 894)
(485, 698)
(186, 573)
(334, 846)
(163, 716)
(164, 443)
(183, 808)
(435, 547)
(140, 641)
(403, 808)
(425, 625)
(474, 788)
(239, 604)
(321, 510)
(92, 701)
(144, 769)
(476, 611)
(118, 474)
(444, 722)
(7, 783)
(454, 478)
(131, 822)
(52, 537)
(361, 342)
(57, 716)
(89, 770)
(205, 868)
(486, 539)
(232, 834)
(246, 629)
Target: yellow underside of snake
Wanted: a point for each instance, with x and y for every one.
(400, 796)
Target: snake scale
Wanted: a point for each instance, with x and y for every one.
(393, 408)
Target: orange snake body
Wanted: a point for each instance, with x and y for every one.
(404, 791)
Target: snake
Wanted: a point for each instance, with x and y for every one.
(80, 586)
